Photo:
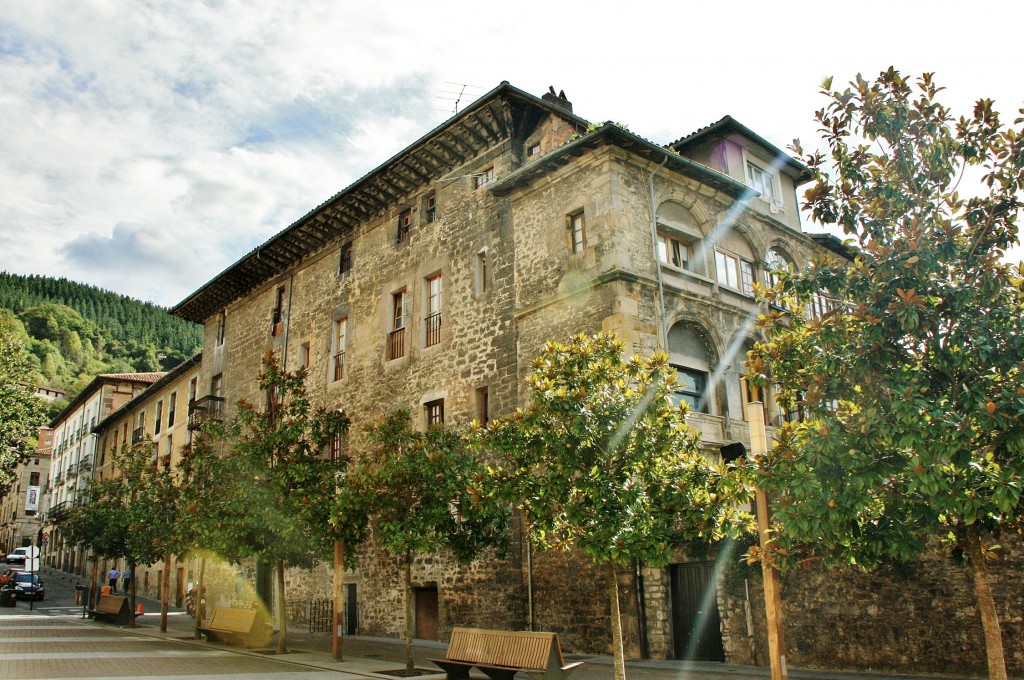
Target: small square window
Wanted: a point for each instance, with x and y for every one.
(434, 412)
(430, 208)
(404, 225)
(534, 150)
(577, 232)
(484, 178)
(345, 259)
(675, 251)
(762, 181)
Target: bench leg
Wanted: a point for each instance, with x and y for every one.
(498, 673)
(453, 671)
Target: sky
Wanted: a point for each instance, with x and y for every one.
(145, 146)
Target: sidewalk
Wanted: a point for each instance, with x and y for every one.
(384, 658)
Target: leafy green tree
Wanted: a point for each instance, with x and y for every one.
(262, 484)
(911, 384)
(418, 485)
(603, 462)
(21, 412)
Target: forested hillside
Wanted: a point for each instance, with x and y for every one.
(76, 331)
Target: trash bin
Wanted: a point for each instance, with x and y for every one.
(7, 598)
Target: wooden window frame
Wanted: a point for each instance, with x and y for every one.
(576, 225)
(433, 412)
(404, 226)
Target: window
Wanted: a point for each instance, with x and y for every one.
(277, 324)
(304, 355)
(404, 224)
(798, 410)
(480, 277)
(216, 385)
(168, 448)
(750, 394)
(222, 320)
(33, 479)
(193, 388)
(483, 406)
(690, 386)
(819, 306)
(735, 272)
(335, 448)
(533, 150)
(340, 342)
(761, 180)
(171, 408)
(675, 251)
(432, 322)
(345, 260)
(690, 355)
(159, 416)
(434, 412)
(483, 178)
(400, 307)
(577, 232)
(430, 208)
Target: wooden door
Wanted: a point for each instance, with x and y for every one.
(426, 613)
(696, 626)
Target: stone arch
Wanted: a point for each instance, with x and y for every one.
(694, 355)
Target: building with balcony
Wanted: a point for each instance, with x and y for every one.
(157, 418)
(20, 507)
(74, 455)
(433, 281)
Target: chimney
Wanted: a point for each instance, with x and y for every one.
(558, 100)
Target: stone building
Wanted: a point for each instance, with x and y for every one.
(157, 417)
(20, 506)
(74, 455)
(433, 281)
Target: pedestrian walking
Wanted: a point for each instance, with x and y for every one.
(126, 580)
(112, 577)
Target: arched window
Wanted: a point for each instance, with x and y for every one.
(692, 361)
(774, 262)
(680, 238)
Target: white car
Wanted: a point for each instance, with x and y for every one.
(17, 556)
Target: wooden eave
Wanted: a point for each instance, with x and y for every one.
(486, 123)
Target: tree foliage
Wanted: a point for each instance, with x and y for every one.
(21, 412)
(911, 383)
(261, 485)
(603, 461)
(417, 487)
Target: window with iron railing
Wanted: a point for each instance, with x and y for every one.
(400, 307)
(340, 345)
(432, 322)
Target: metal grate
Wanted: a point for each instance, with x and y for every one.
(321, 616)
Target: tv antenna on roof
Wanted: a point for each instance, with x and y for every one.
(456, 93)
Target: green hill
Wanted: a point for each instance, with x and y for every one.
(75, 331)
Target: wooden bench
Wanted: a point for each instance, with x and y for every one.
(112, 609)
(500, 654)
(242, 626)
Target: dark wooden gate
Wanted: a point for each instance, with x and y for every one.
(351, 609)
(696, 626)
(426, 613)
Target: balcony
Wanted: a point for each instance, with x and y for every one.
(396, 344)
(85, 464)
(57, 511)
(71, 471)
(433, 325)
(203, 409)
(339, 365)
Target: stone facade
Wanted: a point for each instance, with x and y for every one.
(20, 506)
(539, 230)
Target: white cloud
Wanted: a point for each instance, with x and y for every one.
(211, 125)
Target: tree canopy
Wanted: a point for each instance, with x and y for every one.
(910, 382)
(602, 461)
(21, 412)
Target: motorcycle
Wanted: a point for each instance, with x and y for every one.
(192, 600)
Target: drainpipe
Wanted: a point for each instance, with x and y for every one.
(662, 333)
(287, 323)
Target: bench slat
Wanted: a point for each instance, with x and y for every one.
(500, 654)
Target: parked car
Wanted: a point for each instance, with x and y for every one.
(27, 586)
(17, 556)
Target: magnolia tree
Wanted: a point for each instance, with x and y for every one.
(909, 373)
(261, 485)
(603, 462)
(418, 486)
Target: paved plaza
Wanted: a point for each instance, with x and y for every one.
(51, 639)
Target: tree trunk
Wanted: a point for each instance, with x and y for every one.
(613, 593)
(165, 587)
(282, 618)
(93, 600)
(131, 595)
(409, 618)
(200, 598)
(339, 600)
(986, 606)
